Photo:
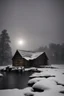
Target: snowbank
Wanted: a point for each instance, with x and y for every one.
(15, 92)
(28, 92)
(42, 74)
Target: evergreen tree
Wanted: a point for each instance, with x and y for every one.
(5, 49)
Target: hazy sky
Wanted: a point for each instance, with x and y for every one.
(37, 22)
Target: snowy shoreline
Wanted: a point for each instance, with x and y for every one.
(52, 85)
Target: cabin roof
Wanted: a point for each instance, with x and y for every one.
(29, 55)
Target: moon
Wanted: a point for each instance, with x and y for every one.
(20, 42)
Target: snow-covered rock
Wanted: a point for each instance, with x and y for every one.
(33, 81)
(29, 94)
(44, 84)
(1, 75)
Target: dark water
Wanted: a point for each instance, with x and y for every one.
(14, 80)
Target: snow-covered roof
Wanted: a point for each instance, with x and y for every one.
(29, 55)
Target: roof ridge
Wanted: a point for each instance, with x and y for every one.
(30, 51)
(26, 51)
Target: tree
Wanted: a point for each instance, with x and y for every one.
(5, 49)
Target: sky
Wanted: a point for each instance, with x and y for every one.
(36, 22)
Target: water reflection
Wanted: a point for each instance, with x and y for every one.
(14, 80)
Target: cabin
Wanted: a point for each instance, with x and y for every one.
(29, 58)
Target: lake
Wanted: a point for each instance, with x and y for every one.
(13, 80)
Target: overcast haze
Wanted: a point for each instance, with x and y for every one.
(37, 22)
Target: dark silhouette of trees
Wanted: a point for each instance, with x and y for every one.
(55, 52)
(5, 49)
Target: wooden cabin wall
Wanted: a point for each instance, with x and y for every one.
(26, 64)
(18, 62)
(41, 60)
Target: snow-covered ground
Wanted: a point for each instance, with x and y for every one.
(48, 82)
